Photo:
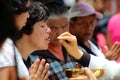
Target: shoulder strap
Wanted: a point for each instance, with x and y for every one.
(15, 59)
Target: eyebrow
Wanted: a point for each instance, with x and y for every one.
(65, 25)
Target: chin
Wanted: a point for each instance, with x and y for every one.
(45, 48)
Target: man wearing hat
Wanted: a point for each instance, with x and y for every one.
(83, 20)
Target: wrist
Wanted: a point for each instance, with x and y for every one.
(80, 54)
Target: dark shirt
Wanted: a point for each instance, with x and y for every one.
(57, 67)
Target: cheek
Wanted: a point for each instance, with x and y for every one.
(66, 29)
(41, 32)
(38, 35)
(41, 35)
(53, 35)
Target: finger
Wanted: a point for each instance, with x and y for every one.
(68, 38)
(64, 43)
(114, 57)
(113, 51)
(44, 73)
(117, 49)
(41, 67)
(115, 46)
(105, 49)
(65, 34)
(47, 75)
(90, 74)
(34, 66)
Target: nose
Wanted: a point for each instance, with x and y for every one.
(48, 30)
(61, 30)
(88, 25)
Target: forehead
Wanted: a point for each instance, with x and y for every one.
(58, 21)
(90, 17)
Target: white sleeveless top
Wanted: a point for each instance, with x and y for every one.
(7, 58)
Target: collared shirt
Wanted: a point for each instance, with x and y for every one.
(57, 67)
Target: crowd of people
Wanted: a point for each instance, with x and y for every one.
(39, 39)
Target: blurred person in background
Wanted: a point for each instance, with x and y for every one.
(107, 8)
(113, 33)
(11, 58)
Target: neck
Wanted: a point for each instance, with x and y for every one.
(24, 48)
(56, 50)
(86, 43)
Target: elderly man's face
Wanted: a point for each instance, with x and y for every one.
(83, 27)
(58, 26)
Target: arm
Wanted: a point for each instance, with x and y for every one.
(112, 68)
(7, 65)
(5, 73)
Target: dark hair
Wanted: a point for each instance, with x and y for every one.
(38, 12)
(7, 26)
(19, 6)
(56, 7)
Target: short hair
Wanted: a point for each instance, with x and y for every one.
(56, 7)
(38, 12)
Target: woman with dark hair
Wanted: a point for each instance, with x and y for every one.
(34, 36)
(12, 51)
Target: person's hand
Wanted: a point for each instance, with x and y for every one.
(114, 52)
(69, 41)
(88, 75)
(39, 70)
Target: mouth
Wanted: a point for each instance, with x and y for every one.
(48, 39)
(87, 34)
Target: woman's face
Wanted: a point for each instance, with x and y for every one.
(39, 38)
(21, 19)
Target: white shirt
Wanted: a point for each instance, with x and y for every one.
(112, 67)
(94, 49)
(7, 58)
